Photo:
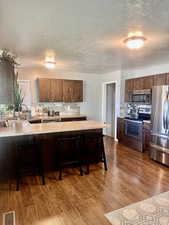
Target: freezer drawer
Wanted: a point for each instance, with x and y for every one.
(159, 149)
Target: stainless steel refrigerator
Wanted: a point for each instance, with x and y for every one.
(159, 147)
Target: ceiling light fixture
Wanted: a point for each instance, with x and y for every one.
(50, 63)
(135, 40)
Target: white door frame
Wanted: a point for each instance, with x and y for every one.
(104, 89)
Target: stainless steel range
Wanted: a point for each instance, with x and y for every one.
(133, 123)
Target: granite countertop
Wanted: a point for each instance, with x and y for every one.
(56, 117)
(25, 128)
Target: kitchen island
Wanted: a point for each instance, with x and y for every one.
(47, 135)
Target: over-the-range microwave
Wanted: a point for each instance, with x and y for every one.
(140, 96)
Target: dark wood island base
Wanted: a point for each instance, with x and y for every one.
(91, 148)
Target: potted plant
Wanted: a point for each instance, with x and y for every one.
(7, 73)
(18, 96)
(5, 55)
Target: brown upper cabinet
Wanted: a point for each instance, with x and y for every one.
(159, 79)
(44, 90)
(72, 90)
(167, 78)
(138, 84)
(58, 90)
(129, 85)
(147, 82)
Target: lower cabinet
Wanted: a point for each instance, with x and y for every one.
(120, 129)
(66, 119)
(146, 136)
(73, 119)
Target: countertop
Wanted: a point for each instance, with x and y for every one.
(56, 117)
(147, 121)
(21, 129)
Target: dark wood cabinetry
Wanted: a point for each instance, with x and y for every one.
(146, 136)
(72, 90)
(50, 90)
(159, 79)
(138, 84)
(167, 78)
(73, 119)
(129, 85)
(49, 149)
(120, 129)
(44, 90)
(57, 90)
(145, 83)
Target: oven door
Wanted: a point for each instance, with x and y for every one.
(133, 128)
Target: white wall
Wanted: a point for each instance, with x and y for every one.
(110, 109)
(93, 84)
(114, 76)
(92, 105)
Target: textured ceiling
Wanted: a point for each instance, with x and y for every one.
(85, 35)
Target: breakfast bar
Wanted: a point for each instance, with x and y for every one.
(50, 139)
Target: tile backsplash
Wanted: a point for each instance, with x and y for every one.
(63, 108)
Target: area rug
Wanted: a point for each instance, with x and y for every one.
(152, 211)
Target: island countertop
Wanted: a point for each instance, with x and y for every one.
(53, 127)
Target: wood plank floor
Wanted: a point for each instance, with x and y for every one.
(76, 200)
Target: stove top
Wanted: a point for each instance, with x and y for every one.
(141, 117)
(132, 118)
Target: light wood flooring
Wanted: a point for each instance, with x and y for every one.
(77, 200)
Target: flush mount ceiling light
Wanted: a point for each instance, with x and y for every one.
(50, 63)
(135, 40)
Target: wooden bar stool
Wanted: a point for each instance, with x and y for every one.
(28, 159)
(68, 153)
(93, 150)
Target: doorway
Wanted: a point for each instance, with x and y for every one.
(109, 108)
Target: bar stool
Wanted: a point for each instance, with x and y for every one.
(93, 150)
(68, 153)
(28, 159)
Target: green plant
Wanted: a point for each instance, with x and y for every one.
(5, 55)
(18, 96)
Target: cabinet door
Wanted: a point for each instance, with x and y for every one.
(147, 82)
(120, 129)
(146, 139)
(72, 91)
(138, 83)
(128, 88)
(67, 84)
(56, 94)
(167, 79)
(44, 90)
(77, 91)
(159, 79)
